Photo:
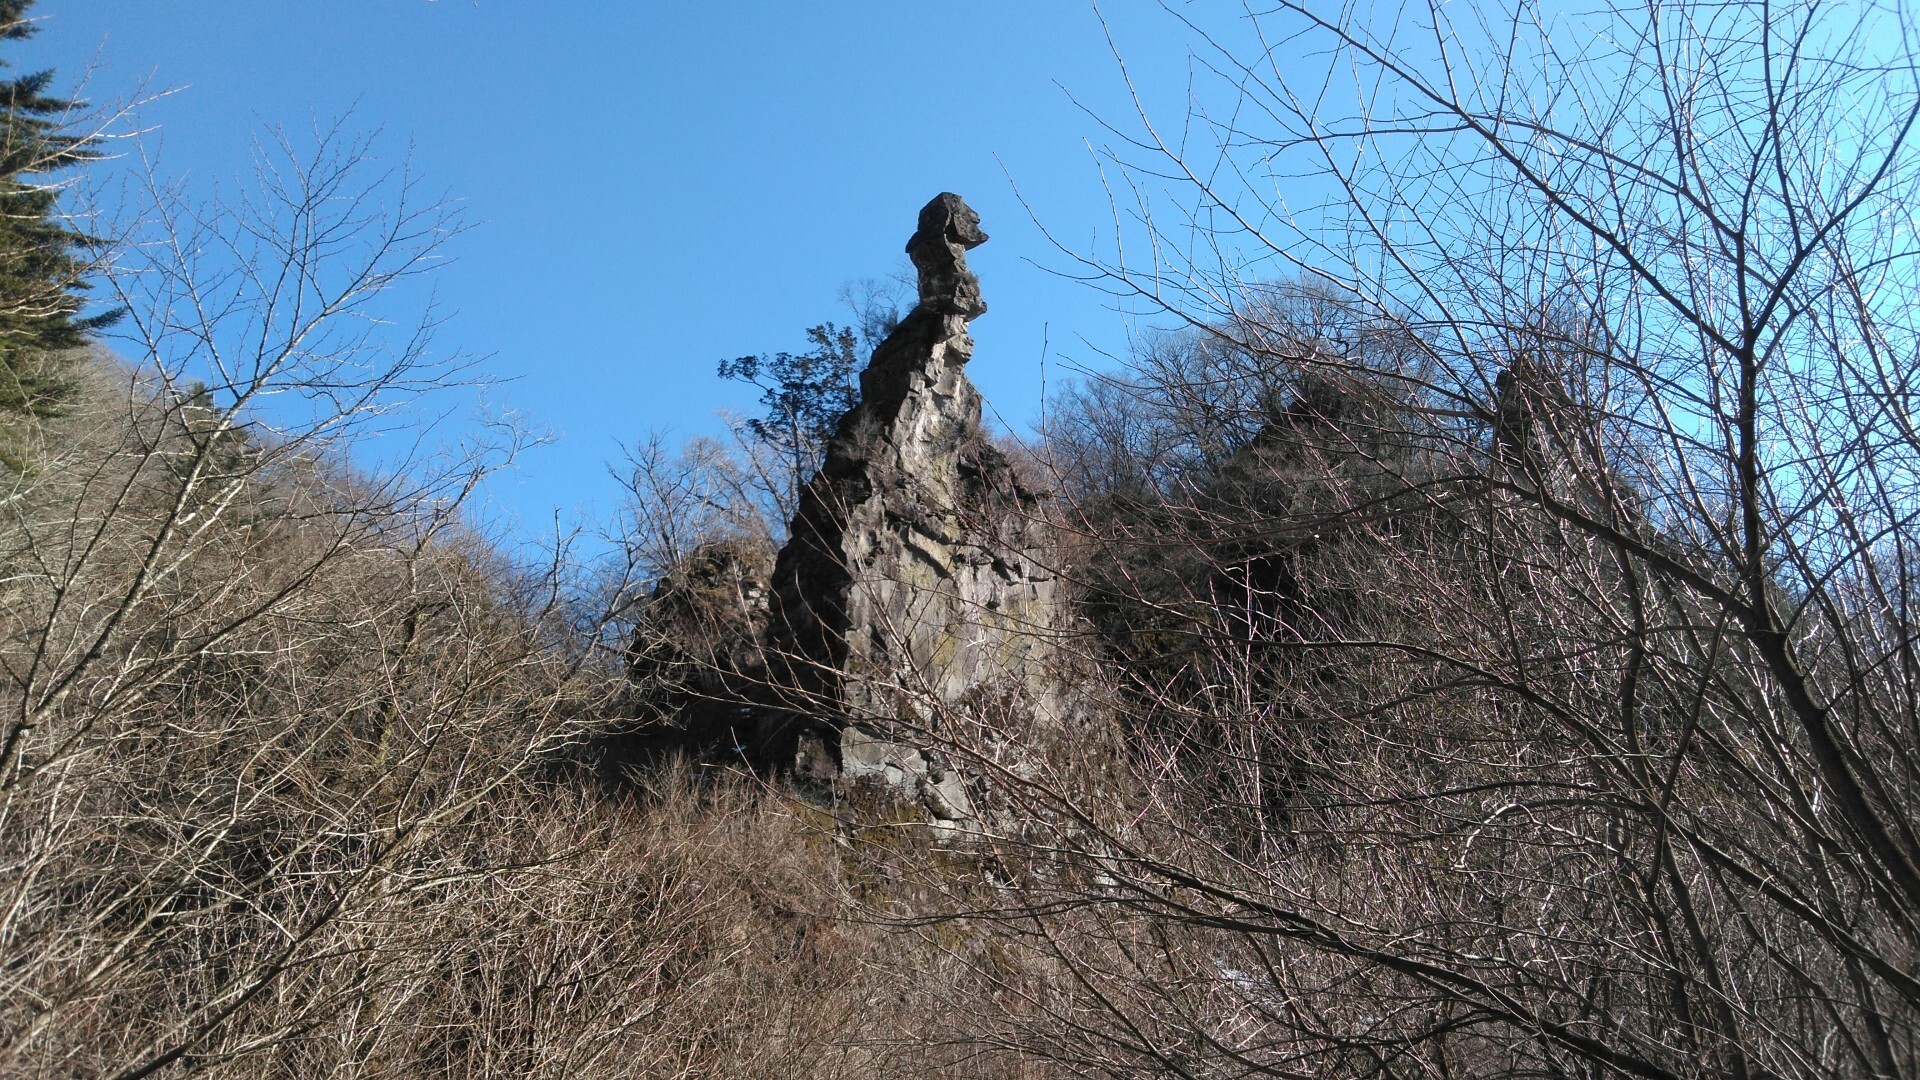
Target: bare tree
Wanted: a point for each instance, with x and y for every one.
(250, 690)
(1576, 736)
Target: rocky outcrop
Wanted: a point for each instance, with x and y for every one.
(917, 573)
(697, 662)
(915, 588)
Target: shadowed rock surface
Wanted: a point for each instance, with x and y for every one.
(698, 652)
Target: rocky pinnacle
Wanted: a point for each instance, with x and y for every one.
(948, 230)
(915, 572)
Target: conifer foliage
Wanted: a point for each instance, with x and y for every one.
(805, 395)
(43, 260)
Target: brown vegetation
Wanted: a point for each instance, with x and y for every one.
(1492, 653)
(293, 774)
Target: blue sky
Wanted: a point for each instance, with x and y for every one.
(656, 186)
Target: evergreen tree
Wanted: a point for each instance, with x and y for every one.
(805, 394)
(42, 260)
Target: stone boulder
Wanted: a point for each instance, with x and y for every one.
(697, 662)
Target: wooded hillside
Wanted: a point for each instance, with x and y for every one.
(1474, 636)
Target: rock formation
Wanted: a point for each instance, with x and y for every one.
(915, 585)
(917, 573)
(697, 654)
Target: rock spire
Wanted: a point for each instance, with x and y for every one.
(917, 573)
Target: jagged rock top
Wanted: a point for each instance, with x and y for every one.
(948, 230)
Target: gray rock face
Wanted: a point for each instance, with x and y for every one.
(917, 575)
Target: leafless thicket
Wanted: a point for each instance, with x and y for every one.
(246, 687)
(1517, 613)
(285, 780)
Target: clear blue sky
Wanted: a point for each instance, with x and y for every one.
(659, 185)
